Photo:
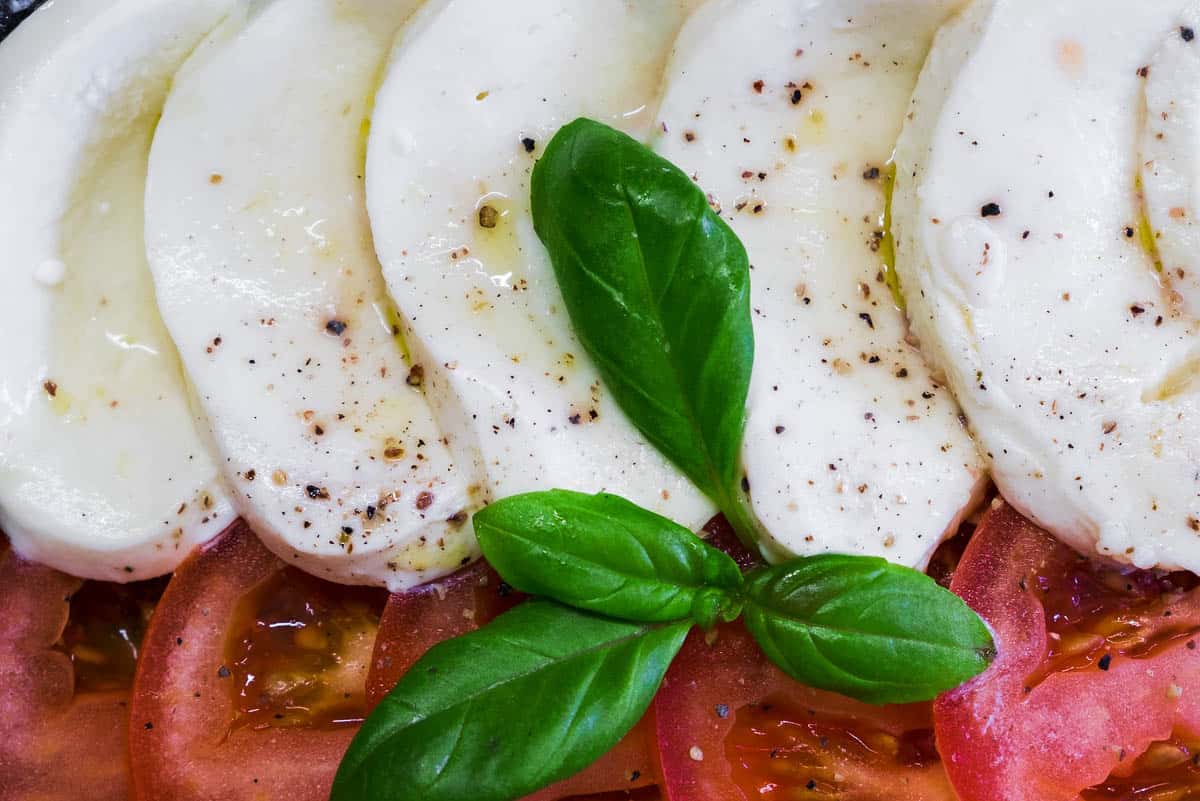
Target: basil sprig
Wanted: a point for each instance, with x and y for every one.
(658, 289)
(860, 626)
(545, 689)
(604, 554)
(532, 698)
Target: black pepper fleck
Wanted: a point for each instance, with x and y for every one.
(528, 143)
(335, 327)
(488, 216)
(990, 210)
(416, 376)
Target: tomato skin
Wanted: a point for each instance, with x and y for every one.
(181, 743)
(53, 744)
(1002, 742)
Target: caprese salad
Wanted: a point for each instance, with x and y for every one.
(670, 400)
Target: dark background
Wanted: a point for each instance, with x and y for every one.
(13, 11)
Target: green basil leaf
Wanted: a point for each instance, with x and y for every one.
(658, 289)
(865, 628)
(604, 554)
(535, 696)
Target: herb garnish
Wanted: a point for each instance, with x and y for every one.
(658, 290)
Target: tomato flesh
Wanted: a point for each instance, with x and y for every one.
(1095, 665)
(1094, 610)
(781, 750)
(1169, 770)
(298, 651)
(104, 632)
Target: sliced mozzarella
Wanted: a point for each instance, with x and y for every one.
(1015, 218)
(851, 446)
(102, 471)
(473, 91)
(261, 251)
(1170, 165)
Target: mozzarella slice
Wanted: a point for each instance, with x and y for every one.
(102, 471)
(474, 90)
(851, 446)
(261, 252)
(1016, 212)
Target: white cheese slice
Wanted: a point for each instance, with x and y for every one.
(851, 445)
(1016, 212)
(103, 473)
(259, 242)
(474, 90)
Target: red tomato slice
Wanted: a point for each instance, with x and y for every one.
(55, 743)
(732, 726)
(204, 724)
(1095, 664)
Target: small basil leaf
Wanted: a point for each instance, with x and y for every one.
(604, 554)
(535, 696)
(865, 628)
(658, 289)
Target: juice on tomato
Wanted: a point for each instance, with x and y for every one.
(299, 651)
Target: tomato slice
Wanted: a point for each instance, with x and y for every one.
(227, 703)
(1095, 665)
(57, 740)
(730, 725)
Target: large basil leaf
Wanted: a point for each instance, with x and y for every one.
(607, 555)
(866, 628)
(536, 696)
(658, 289)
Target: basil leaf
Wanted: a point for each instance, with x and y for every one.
(866, 628)
(604, 554)
(658, 289)
(535, 696)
